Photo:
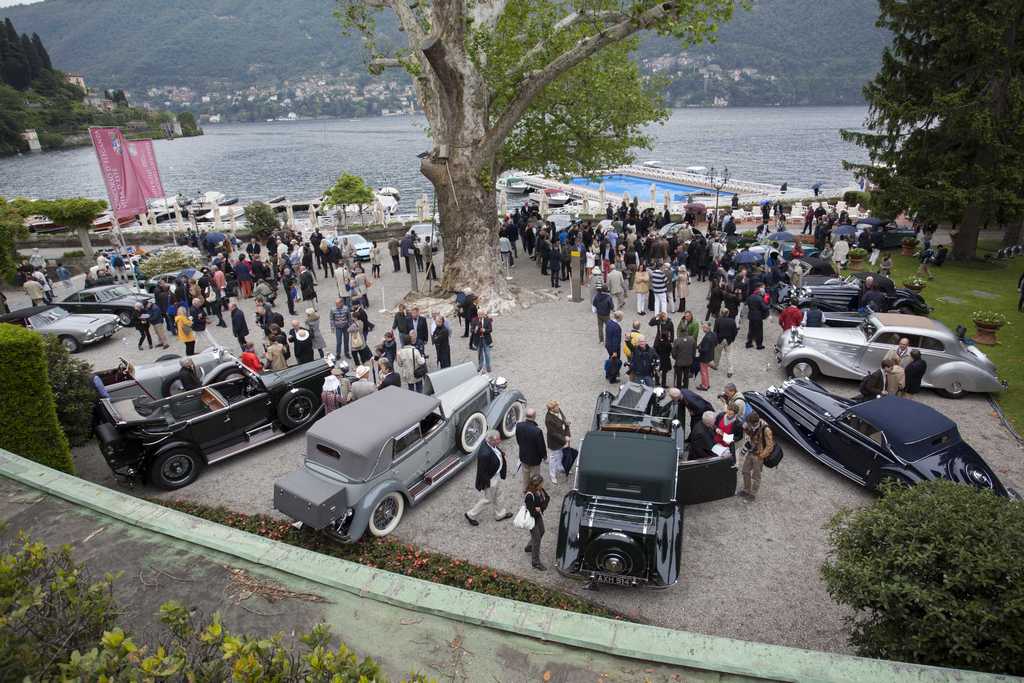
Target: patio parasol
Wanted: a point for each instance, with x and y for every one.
(845, 231)
(178, 222)
(603, 194)
(290, 213)
(781, 236)
(765, 201)
(502, 204)
(231, 220)
(654, 195)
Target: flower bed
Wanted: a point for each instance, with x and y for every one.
(401, 558)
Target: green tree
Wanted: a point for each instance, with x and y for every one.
(348, 190)
(76, 214)
(497, 80)
(12, 229)
(44, 56)
(188, 123)
(16, 70)
(35, 63)
(946, 119)
(932, 574)
(261, 219)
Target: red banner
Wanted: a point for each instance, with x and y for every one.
(119, 175)
(144, 158)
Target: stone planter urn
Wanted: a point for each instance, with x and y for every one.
(907, 249)
(986, 333)
(855, 264)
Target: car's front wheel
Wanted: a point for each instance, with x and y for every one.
(386, 515)
(803, 369)
(175, 468)
(472, 432)
(512, 416)
(70, 343)
(297, 408)
(125, 318)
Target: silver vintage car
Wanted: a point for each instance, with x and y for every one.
(851, 352)
(368, 460)
(159, 379)
(73, 330)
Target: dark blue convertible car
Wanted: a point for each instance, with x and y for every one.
(872, 442)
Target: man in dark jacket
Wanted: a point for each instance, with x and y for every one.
(873, 384)
(757, 311)
(603, 307)
(613, 335)
(389, 378)
(684, 350)
(701, 439)
(914, 372)
(532, 449)
(491, 468)
(706, 353)
(644, 362)
(239, 327)
(726, 330)
(407, 247)
(307, 284)
(696, 406)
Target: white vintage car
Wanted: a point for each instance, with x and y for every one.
(955, 368)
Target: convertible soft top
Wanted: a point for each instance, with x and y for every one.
(904, 421)
(627, 465)
(23, 313)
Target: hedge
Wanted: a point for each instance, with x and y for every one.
(29, 426)
(71, 381)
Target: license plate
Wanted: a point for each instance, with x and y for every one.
(617, 580)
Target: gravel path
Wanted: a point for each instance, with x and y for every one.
(750, 571)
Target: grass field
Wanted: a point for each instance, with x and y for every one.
(972, 284)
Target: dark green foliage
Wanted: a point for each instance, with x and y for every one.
(946, 123)
(30, 427)
(44, 56)
(260, 218)
(188, 123)
(933, 575)
(71, 381)
(49, 607)
(853, 198)
(12, 229)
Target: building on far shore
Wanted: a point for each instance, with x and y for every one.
(76, 79)
(32, 140)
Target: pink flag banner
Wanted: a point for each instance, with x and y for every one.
(144, 158)
(119, 175)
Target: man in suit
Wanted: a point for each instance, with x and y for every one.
(239, 328)
(726, 330)
(388, 376)
(419, 326)
(914, 372)
(532, 449)
(757, 311)
(491, 468)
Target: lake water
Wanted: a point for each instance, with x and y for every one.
(300, 159)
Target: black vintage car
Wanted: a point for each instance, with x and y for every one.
(119, 300)
(168, 442)
(871, 442)
(844, 294)
(623, 521)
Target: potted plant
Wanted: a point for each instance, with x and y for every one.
(987, 323)
(856, 258)
(909, 246)
(915, 283)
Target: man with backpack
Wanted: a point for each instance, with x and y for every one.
(760, 444)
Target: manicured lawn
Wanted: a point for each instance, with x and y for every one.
(962, 282)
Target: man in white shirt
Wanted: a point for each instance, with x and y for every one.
(491, 469)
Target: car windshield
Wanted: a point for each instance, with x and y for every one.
(104, 295)
(48, 317)
(356, 240)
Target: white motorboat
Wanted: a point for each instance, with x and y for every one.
(388, 191)
(513, 184)
(557, 197)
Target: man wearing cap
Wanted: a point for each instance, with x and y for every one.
(603, 307)
(363, 386)
(302, 345)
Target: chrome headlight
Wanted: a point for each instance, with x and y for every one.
(977, 476)
(499, 384)
(89, 334)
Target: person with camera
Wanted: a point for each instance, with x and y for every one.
(759, 445)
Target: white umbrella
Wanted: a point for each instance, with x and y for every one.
(586, 204)
(502, 204)
(178, 222)
(543, 204)
(654, 196)
(231, 220)
(290, 212)
(668, 200)
(151, 215)
(314, 220)
(216, 218)
(625, 197)
(421, 209)
(603, 194)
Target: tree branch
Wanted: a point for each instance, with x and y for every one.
(565, 23)
(381, 63)
(536, 81)
(486, 13)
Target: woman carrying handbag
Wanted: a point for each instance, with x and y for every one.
(536, 502)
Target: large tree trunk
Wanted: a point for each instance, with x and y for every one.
(965, 242)
(469, 228)
(83, 237)
(1012, 233)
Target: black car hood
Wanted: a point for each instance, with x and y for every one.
(962, 464)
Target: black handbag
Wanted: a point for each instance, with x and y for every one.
(775, 458)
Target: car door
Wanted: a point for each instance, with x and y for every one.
(407, 451)
(82, 302)
(846, 441)
(934, 354)
(216, 429)
(706, 479)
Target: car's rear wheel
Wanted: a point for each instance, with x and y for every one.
(613, 552)
(125, 318)
(956, 390)
(386, 514)
(297, 408)
(70, 343)
(803, 369)
(224, 376)
(170, 386)
(513, 415)
(472, 433)
(175, 468)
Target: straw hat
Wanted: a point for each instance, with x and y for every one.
(302, 335)
(362, 371)
(310, 311)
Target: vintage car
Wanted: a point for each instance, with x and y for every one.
(622, 523)
(884, 233)
(362, 248)
(159, 379)
(368, 460)
(168, 442)
(73, 330)
(887, 439)
(843, 294)
(118, 300)
(954, 367)
(170, 278)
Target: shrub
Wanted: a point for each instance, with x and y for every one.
(74, 253)
(29, 426)
(171, 259)
(909, 242)
(914, 282)
(854, 197)
(932, 573)
(49, 607)
(858, 253)
(51, 140)
(989, 318)
(71, 381)
(261, 219)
